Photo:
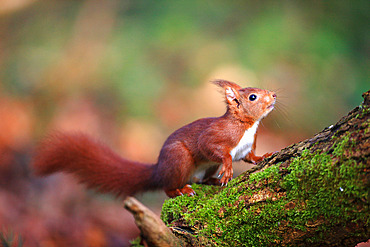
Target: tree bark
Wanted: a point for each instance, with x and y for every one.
(313, 193)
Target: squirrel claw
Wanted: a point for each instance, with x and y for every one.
(186, 190)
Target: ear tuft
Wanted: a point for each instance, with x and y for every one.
(231, 91)
(224, 84)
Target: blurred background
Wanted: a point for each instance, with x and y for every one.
(131, 72)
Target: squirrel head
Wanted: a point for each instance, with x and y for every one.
(247, 104)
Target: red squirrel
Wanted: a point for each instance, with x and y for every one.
(218, 140)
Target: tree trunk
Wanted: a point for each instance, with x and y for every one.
(313, 193)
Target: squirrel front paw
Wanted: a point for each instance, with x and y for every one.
(227, 175)
(254, 159)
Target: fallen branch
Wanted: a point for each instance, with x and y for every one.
(153, 231)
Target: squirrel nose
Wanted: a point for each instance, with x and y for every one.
(274, 95)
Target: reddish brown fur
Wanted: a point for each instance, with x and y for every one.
(93, 163)
(204, 140)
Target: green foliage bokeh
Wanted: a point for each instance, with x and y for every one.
(319, 47)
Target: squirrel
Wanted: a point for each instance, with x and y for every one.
(217, 140)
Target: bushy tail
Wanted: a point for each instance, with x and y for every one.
(94, 164)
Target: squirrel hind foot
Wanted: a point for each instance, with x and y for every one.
(186, 190)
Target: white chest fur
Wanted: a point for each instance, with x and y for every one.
(245, 144)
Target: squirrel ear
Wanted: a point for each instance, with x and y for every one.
(232, 96)
(231, 91)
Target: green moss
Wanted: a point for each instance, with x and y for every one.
(270, 173)
(341, 146)
(326, 188)
(175, 208)
(221, 212)
(136, 242)
(365, 111)
(317, 186)
(366, 127)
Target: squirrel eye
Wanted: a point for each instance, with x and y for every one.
(252, 97)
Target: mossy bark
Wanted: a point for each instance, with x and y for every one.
(313, 193)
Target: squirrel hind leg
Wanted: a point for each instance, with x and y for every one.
(187, 190)
(175, 167)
